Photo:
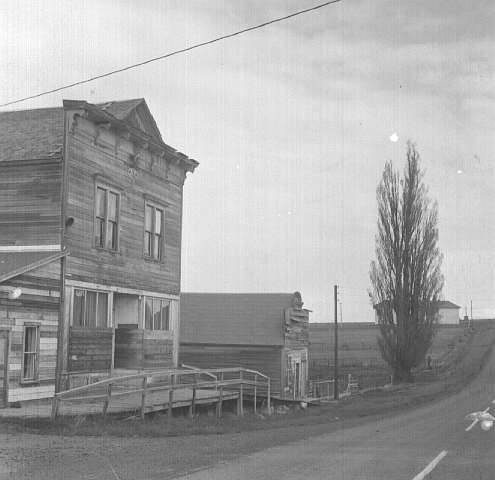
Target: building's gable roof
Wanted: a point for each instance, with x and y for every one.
(39, 133)
(31, 134)
(439, 304)
(136, 113)
(17, 263)
(447, 304)
(233, 318)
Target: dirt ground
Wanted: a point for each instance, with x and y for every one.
(86, 448)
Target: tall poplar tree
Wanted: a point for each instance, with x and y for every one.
(406, 280)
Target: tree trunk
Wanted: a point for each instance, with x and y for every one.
(402, 375)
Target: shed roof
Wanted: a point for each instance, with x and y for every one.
(233, 318)
(447, 304)
(17, 263)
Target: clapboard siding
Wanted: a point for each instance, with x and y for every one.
(89, 163)
(90, 349)
(264, 359)
(30, 200)
(137, 348)
(158, 349)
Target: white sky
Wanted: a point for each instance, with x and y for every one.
(291, 125)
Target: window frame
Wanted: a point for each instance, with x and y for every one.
(108, 189)
(36, 353)
(154, 207)
(169, 311)
(98, 293)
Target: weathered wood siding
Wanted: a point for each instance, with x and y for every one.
(128, 348)
(296, 331)
(38, 305)
(90, 349)
(30, 202)
(158, 349)
(109, 159)
(264, 359)
(137, 348)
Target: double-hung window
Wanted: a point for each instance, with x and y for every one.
(157, 314)
(107, 218)
(31, 355)
(153, 231)
(90, 309)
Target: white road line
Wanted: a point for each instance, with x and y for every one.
(472, 425)
(476, 420)
(429, 468)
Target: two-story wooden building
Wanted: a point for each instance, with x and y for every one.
(98, 184)
(267, 332)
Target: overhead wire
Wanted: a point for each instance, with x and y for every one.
(170, 54)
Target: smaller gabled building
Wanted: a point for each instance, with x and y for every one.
(267, 332)
(29, 319)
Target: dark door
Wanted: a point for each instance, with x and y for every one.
(4, 362)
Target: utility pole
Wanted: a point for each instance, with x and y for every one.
(336, 349)
(471, 311)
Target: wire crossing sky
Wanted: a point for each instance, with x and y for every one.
(171, 54)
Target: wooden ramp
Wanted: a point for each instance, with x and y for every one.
(163, 390)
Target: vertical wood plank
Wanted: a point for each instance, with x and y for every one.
(143, 396)
(255, 378)
(107, 400)
(241, 393)
(171, 396)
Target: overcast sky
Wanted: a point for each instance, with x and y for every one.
(291, 125)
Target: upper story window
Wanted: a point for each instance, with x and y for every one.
(153, 231)
(107, 218)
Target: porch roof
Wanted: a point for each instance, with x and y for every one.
(17, 263)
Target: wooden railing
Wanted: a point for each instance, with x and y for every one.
(324, 389)
(225, 381)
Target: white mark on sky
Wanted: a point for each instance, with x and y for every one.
(394, 137)
(460, 171)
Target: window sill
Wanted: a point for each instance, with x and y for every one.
(153, 260)
(106, 250)
(29, 383)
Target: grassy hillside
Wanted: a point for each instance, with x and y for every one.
(359, 354)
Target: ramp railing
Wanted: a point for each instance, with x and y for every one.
(138, 388)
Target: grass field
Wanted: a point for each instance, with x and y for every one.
(359, 354)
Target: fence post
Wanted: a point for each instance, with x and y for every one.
(171, 396)
(55, 404)
(192, 408)
(268, 397)
(143, 396)
(219, 404)
(107, 400)
(241, 394)
(255, 377)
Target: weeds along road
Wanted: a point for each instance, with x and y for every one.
(428, 442)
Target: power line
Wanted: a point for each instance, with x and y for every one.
(171, 54)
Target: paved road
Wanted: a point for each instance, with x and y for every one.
(396, 448)
(402, 447)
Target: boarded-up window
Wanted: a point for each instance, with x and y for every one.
(107, 218)
(153, 232)
(156, 314)
(31, 353)
(90, 309)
